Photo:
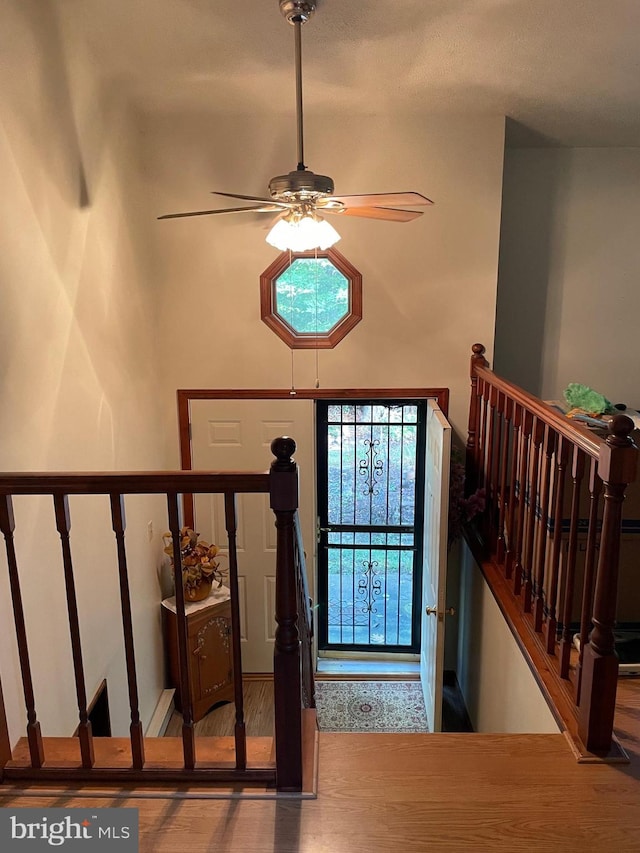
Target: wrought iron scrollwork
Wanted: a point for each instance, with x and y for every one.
(371, 467)
(369, 586)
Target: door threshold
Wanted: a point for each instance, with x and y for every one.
(370, 669)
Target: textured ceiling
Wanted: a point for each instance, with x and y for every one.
(563, 71)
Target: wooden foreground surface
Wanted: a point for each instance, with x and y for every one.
(439, 793)
(378, 792)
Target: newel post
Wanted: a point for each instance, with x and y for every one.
(616, 468)
(286, 659)
(471, 468)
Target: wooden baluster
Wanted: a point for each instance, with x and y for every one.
(513, 498)
(505, 407)
(541, 544)
(481, 451)
(63, 525)
(477, 360)
(240, 733)
(135, 729)
(188, 731)
(34, 736)
(523, 497)
(5, 743)
(562, 459)
(490, 481)
(566, 642)
(305, 621)
(595, 488)
(286, 662)
(308, 687)
(532, 504)
(616, 468)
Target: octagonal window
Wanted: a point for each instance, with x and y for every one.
(311, 299)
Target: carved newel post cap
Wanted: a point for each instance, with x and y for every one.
(620, 430)
(283, 449)
(478, 349)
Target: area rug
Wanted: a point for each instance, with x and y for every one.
(370, 706)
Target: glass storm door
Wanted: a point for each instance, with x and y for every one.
(370, 520)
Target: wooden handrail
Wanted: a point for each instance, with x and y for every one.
(575, 432)
(539, 451)
(133, 482)
(282, 485)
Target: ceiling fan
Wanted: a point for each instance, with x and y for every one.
(299, 198)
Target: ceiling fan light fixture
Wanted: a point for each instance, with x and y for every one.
(301, 233)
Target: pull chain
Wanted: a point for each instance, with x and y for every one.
(316, 309)
(292, 392)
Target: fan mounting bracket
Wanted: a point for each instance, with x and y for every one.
(297, 11)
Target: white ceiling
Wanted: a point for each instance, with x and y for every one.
(564, 71)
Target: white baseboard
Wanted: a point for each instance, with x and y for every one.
(623, 668)
(161, 715)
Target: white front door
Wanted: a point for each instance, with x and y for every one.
(235, 435)
(436, 516)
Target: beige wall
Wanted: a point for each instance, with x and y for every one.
(568, 299)
(500, 692)
(79, 367)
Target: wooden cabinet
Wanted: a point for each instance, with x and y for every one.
(208, 649)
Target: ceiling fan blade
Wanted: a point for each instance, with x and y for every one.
(410, 199)
(254, 209)
(391, 214)
(253, 198)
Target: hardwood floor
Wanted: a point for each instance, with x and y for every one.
(413, 793)
(627, 720)
(436, 793)
(258, 714)
(258, 708)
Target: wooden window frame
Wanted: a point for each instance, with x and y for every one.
(300, 340)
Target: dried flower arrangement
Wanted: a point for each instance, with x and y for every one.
(199, 564)
(461, 509)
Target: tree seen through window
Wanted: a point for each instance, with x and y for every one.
(311, 299)
(312, 295)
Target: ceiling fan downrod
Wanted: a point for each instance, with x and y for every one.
(302, 183)
(297, 13)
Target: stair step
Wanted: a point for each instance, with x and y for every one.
(160, 752)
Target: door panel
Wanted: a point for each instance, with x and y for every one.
(370, 494)
(436, 513)
(235, 435)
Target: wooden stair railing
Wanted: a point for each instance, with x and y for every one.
(543, 476)
(42, 759)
